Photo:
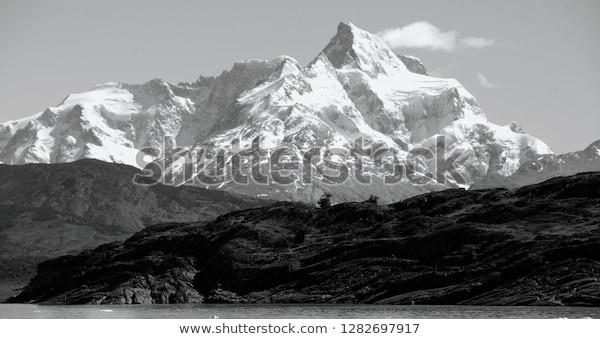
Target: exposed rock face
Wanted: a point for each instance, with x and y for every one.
(413, 64)
(537, 245)
(356, 88)
(52, 210)
(544, 167)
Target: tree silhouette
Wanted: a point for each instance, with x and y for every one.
(373, 199)
(325, 200)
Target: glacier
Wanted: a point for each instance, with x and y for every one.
(356, 88)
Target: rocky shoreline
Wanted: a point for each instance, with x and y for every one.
(51, 210)
(535, 245)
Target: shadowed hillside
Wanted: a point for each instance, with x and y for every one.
(52, 210)
(536, 245)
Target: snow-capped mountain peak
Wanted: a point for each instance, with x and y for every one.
(356, 88)
(352, 47)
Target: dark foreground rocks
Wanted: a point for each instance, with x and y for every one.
(49, 210)
(537, 245)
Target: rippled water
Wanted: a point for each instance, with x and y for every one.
(292, 311)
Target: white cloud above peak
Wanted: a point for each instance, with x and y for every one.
(422, 34)
(472, 42)
(484, 81)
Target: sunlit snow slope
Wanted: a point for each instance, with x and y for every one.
(355, 88)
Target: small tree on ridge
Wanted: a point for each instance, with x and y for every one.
(325, 200)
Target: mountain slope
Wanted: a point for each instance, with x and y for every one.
(545, 167)
(413, 64)
(355, 94)
(358, 89)
(52, 210)
(536, 245)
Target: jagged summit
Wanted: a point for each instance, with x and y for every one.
(355, 88)
(355, 48)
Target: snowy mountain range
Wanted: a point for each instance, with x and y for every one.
(355, 89)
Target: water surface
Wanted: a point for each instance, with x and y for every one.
(204, 311)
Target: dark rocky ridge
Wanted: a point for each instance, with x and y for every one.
(536, 245)
(52, 210)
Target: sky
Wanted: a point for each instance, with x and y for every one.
(533, 62)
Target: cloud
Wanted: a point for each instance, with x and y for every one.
(472, 42)
(422, 34)
(419, 34)
(484, 82)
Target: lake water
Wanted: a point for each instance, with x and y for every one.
(204, 311)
